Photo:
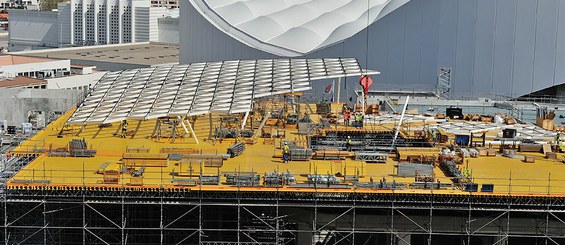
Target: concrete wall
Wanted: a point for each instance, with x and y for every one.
(75, 82)
(108, 66)
(155, 14)
(32, 30)
(169, 30)
(495, 47)
(16, 103)
(64, 18)
(13, 70)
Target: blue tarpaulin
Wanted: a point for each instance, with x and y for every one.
(462, 139)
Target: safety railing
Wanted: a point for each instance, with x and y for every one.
(86, 176)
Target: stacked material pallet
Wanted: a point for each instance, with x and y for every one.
(404, 152)
(111, 174)
(145, 160)
(210, 180)
(279, 179)
(243, 179)
(529, 159)
(203, 180)
(78, 148)
(508, 152)
(465, 153)
(330, 154)
(528, 147)
(473, 152)
(551, 155)
(323, 179)
(451, 169)
(300, 153)
(374, 157)
(208, 160)
(103, 167)
(491, 152)
(305, 128)
(173, 150)
(411, 169)
(77, 144)
(236, 149)
(137, 150)
(482, 151)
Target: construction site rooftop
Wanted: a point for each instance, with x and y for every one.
(162, 154)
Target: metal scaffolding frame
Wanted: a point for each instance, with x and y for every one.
(180, 215)
(276, 217)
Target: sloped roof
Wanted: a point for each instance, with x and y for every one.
(293, 27)
(200, 88)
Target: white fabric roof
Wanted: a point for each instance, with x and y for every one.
(200, 88)
(293, 27)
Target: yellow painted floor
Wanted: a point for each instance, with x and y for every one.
(509, 176)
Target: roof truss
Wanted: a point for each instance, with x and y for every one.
(200, 88)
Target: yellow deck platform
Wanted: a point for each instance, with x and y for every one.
(509, 176)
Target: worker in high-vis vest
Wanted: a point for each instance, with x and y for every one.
(124, 128)
(357, 120)
(286, 151)
(348, 143)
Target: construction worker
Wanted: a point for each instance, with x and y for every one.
(434, 137)
(346, 118)
(124, 128)
(348, 143)
(558, 141)
(286, 151)
(357, 120)
(467, 172)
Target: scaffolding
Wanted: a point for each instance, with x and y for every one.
(443, 87)
(362, 141)
(243, 217)
(181, 215)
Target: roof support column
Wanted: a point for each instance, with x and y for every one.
(244, 120)
(338, 89)
(182, 124)
(191, 130)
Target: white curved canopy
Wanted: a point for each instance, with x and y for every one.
(200, 88)
(293, 27)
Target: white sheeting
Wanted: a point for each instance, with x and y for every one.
(200, 88)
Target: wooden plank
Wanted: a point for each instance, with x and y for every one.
(145, 156)
(546, 149)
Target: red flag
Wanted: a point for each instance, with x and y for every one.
(365, 82)
(329, 88)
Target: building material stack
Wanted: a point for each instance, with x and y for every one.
(236, 149)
